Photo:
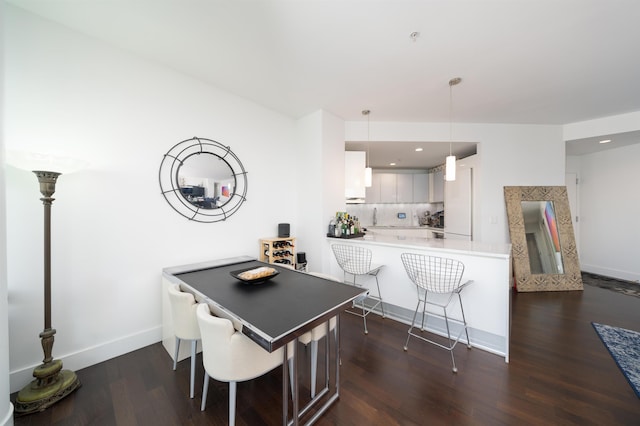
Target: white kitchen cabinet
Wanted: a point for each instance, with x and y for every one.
(387, 187)
(458, 206)
(399, 188)
(354, 164)
(404, 188)
(436, 187)
(420, 188)
(372, 193)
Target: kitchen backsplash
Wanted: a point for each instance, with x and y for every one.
(392, 214)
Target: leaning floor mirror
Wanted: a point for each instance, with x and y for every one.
(544, 253)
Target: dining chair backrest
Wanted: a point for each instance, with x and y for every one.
(229, 355)
(183, 312)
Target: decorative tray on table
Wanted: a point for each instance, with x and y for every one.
(254, 275)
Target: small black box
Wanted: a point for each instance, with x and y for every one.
(283, 230)
(301, 257)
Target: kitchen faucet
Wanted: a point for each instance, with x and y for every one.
(375, 216)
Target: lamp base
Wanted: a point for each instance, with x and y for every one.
(51, 385)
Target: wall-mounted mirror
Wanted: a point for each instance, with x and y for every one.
(545, 257)
(203, 180)
(206, 180)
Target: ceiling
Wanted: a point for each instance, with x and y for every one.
(521, 61)
(404, 154)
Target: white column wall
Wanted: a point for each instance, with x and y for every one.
(112, 231)
(6, 408)
(320, 139)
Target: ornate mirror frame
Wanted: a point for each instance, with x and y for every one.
(170, 179)
(571, 279)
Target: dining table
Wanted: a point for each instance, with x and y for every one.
(273, 312)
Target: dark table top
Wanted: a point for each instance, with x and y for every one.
(276, 311)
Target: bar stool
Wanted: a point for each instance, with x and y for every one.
(441, 278)
(356, 261)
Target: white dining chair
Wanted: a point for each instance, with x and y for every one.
(185, 326)
(230, 356)
(312, 337)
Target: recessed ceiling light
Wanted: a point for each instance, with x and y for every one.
(414, 35)
(605, 141)
(392, 164)
(418, 149)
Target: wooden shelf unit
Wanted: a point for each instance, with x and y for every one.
(274, 250)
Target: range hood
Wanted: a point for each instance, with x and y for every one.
(355, 200)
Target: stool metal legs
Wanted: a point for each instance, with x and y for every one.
(366, 310)
(451, 341)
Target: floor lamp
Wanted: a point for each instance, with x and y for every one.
(51, 383)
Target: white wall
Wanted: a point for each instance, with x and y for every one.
(609, 212)
(112, 231)
(319, 173)
(509, 155)
(6, 408)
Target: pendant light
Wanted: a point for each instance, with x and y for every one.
(450, 162)
(368, 178)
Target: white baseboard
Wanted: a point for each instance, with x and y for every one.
(611, 273)
(92, 355)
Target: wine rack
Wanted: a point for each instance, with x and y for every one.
(280, 251)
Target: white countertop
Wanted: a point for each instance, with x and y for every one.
(474, 248)
(428, 228)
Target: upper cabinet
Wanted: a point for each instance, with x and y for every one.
(388, 187)
(436, 187)
(354, 165)
(404, 188)
(398, 188)
(420, 188)
(372, 193)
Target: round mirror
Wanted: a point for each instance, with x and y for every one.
(206, 180)
(203, 180)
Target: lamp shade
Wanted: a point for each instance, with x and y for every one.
(450, 168)
(368, 178)
(27, 160)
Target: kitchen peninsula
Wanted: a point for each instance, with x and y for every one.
(486, 300)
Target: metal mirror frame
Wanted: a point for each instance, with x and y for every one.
(525, 280)
(169, 183)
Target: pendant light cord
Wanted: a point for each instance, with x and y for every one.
(452, 82)
(450, 116)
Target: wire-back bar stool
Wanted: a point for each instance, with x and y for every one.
(356, 261)
(437, 275)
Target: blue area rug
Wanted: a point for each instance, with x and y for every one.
(624, 347)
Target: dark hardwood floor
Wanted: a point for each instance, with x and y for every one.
(560, 373)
